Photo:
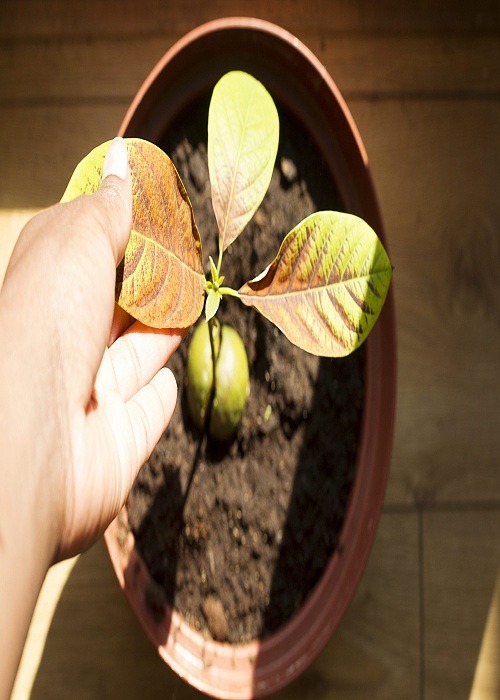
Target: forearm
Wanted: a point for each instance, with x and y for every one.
(23, 565)
(27, 527)
(76, 419)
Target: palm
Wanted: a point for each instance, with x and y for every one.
(130, 406)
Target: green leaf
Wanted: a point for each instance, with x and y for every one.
(212, 303)
(327, 285)
(243, 135)
(160, 281)
(213, 271)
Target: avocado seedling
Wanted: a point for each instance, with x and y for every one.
(324, 289)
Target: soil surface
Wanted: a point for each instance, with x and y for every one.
(236, 536)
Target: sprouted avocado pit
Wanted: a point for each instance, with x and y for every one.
(324, 289)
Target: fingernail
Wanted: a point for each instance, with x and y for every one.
(115, 162)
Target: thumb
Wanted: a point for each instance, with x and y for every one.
(115, 194)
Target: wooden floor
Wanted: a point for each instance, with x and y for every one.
(423, 83)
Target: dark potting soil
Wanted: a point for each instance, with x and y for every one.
(236, 536)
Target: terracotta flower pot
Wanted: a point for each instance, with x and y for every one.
(301, 84)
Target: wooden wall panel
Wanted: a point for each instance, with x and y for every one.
(114, 68)
(434, 163)
(126, 17)
(41, 145)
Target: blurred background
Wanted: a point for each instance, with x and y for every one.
(422, 81)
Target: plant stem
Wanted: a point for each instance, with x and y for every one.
(229, 292)
(199, 450)
(214, 331)
(219, 261)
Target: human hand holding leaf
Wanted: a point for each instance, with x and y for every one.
(160, 281)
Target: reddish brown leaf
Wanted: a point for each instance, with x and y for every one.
(160, 281)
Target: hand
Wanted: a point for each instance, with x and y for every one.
(77, 418)
(111, 405)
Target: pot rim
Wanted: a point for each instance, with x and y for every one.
(242, 22)
(261, 667)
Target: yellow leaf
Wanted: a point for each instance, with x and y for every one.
(243, 135)
(327, 285)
